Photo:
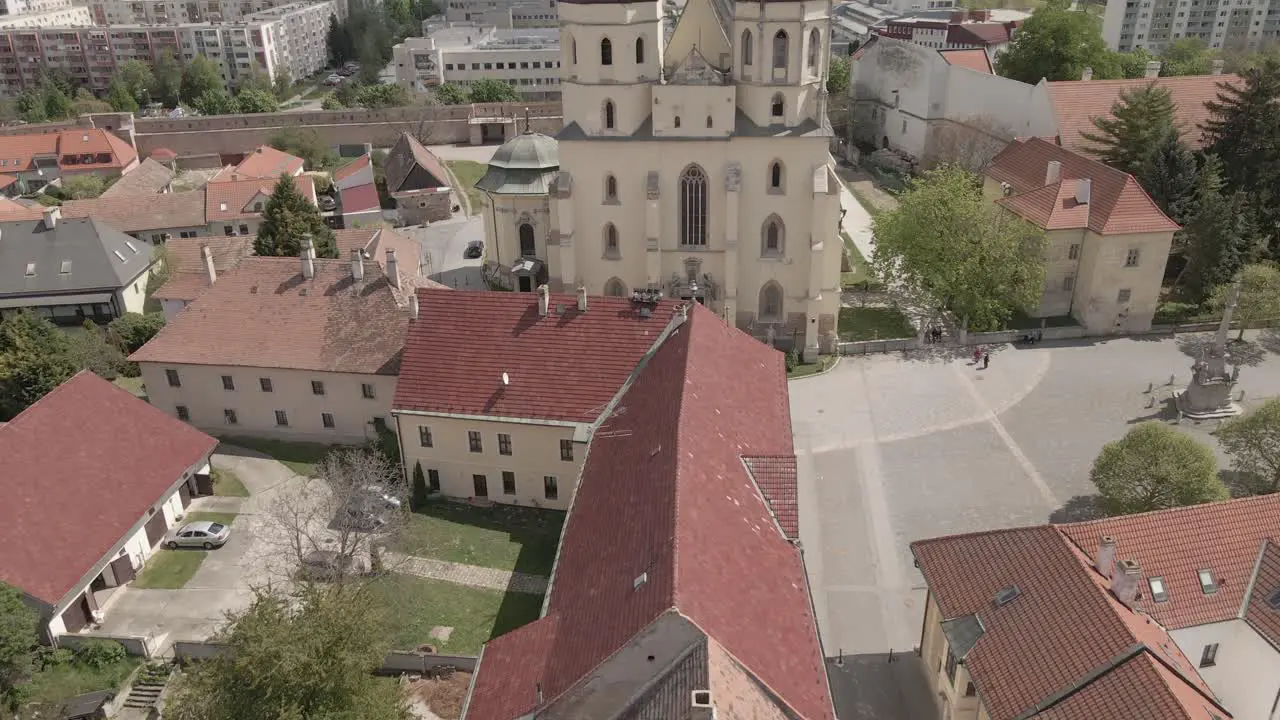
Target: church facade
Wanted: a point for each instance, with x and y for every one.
(693, 161)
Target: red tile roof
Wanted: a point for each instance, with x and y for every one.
(664, 493)
(11, 210)
(776, 478)
(973, 59)
(361, 198)
(266, 315)
(1117, 203)
(232, 199)
(1139, 688)
(163, 155)
(17, 151)
(81, 467)
(265, 162)
(558, 366)
(1262, 612)
(1076, 102)
(143, 213)
(977, 33)
(190, 277)
(352, 168)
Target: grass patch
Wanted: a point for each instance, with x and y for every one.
(469, 173)
(860, 275)
(56, 684)
(227, 484)
(498, 536)
(300, 457)
(218, 517)
(133, 385)
(873, 323)
(317, 92)
(413, 605)
(170, 569)
(805, 369)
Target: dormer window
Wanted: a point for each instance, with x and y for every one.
(1158, 591)
(1208, 583)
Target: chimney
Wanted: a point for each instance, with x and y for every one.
(393, 269)
(1218, 64)
(413, 306)
(582, 299)
(308, 256)
(1125, 582)
(357, 265)
(52, 215)
(1087, 74)
(1084, 188)
(1153, 69)
(1106, 560)
(208, 264)
(1053, 173)
(544, 300)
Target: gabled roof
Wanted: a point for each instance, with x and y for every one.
(359, 199)
(565, 366)
(62, 510)
(977, 33)
(232, 199)
(93, 255)
(18, 151)
(189, 276)
(1076, 102)
(265, 314)
(1263, 610)
(1117, 203)
(143, 213)
(976, 60)
(353, 167)
(403, 157)
(666, 523)
(265, 162)
(148, 178)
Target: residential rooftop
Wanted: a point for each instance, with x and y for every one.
(1076, 102)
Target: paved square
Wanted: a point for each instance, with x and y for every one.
(895, 448)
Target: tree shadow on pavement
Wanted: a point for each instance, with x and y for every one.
(1239, 352)
(1077, 509)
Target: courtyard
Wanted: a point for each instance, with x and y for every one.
(894, 448)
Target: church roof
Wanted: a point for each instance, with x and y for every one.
(524, 165)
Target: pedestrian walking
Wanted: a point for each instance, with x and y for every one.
(986, 360)
(977, 355)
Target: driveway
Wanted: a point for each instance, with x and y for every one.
(442, 246)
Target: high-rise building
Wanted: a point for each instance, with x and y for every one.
(503, 13)
(1153, 24)
(172, 12)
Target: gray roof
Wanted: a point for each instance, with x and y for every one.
(93, 255)
(962, 634)
(524, 165)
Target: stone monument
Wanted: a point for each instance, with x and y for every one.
(1208, 396)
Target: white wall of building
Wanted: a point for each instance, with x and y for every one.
(1246, 673)
(528, 60)
(69, 15)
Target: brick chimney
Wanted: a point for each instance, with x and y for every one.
(1087, 74)
(1053, 172)
(1105, 562)
(357, 264)
(208, 264)
(308, 256)
(1153, 69)
(582, 299)
(393, 268)
(52, 215)
(1126, 582)
(544, 301)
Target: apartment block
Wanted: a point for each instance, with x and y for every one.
(1153, 24)
(504, 14)
(24, 7)
(171, 12)
(462, 53)
(69, 15)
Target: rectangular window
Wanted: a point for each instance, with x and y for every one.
(1123, 296)
(1158, 592)
(172, 377)
(550, 487)
(265, 383)
(1131, 259)
(424, 436)
(183, 413)
(1068, 283)
(951, 666)
(366, 389)
(1073, 252)
(473, 438)
(1209, 657)
(508, 482)
(504, 444)
(229, 416)
(433, 480)
(481, 484)
(282, 418)
(566, 450)
(317, 387)
(244, 229)
(228, 382)
(326, 419)
(228, 230)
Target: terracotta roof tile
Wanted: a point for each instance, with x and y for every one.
(265, 162)
(1077, 102)
(776, 478)
(11, 210)
(403, 157)
(267, 315)
(233, 199)
(348, 239)
(148, 178)
(190, 277)
(143, 213)
(1140, 688)
(977, 33)
(973, 59)
(361, 198)
(352, 168)
(559, 369)
(62, 511)
(1117, 203)
(1263, 612)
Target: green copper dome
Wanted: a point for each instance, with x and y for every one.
(525, 165)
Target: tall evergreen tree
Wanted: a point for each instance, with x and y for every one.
(1170, 176)
(1243, 130)
(286, 219)
(1141, 120)
(1220, 237)
(35, 357)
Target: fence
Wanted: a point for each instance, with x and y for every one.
(136, 645)
(395, 663)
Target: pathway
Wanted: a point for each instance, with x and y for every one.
(471, 575)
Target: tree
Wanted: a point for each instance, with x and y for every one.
(452, 94)
(138, 79)
(421, 492)
(19, 624)
(82, 187)
(381, 96)
(838, 95)
(35, 357)
(311, 655)
(168, 80)
(214, 102)
(306, 144)
(256, 101)
(91, 350)
(57, 104)
(287, 218)
(1155, 467)
(1187, 56)
(133, 330)
(1141, 120)
(487, 90)
(1133, 64)
(1243, 130)
(282, 86)
(255, 79)
(1259, 297)
(330, 102)
(340, 43)
(30, 105)
(1253, 442)
(119, 96)
(86, 103)
(1056, 43)
(199, 78)
(1219, 237)
(1170, 176)
(944, 238)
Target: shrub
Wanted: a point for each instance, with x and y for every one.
(420, 489)
(133, 330)
(48, 658)
(792, 360)
(99, 654)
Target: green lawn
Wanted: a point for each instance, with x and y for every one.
(498, 536)
(170, 569)
(468, 173)
(861, 274)
(218, 517)
(65, 681)
(299, 457)
(873, 323)
(133, 385)
(806, 369)
(227, 484)
(414, 605)
(317, 92)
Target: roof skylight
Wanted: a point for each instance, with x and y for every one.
(1158, 592)
(1208, 583)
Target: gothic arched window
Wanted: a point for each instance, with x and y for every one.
(777, 107)
(693, 206)
(614, 287)
(610, 188)
(606, 52)
(747, 50)
(573, 50)
(611, 249)
(772, 237)
(775, 176)
(815, 42)
(527, 246)
(639, 50)
(780, 50)
(609, 120)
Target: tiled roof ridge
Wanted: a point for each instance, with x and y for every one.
(977, 533)
(1209, 698)
(1186, 509)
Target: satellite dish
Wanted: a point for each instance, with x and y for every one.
(506, 379)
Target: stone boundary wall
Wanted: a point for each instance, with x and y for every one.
(395, 663)
(135, 645)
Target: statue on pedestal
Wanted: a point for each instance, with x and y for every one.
(1209, 394)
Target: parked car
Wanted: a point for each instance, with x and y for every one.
(329, 565)
(201, 534)
(475, 249)
(334, 79)
(327, 202)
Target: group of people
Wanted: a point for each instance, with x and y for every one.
(933, 334)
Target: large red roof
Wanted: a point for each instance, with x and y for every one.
(666, 519)
(1077, 102)
(81, 467)
(565, 366)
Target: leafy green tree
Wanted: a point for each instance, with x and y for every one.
(31, 106)
(138, 79)
(286, 219)
(306, 144)
(215, 102)
(35, 357)
(86, 103)
(838, 76)
(1155, 467)
(19, 624)
(1133, 64)
(1253, 442)
(256, 79)
(331, 102)
(91, 350)
(1170, 175)
(57, 104)
(199, 78)
(82, 187)
(1056, 43)
(452, 94)
(1259, 297)
(421, 493)
(342, 47)
(487, 90)
(167, 89)
(133, 330)
(309, 656)
(1220, 236)
(1142, 118)
(382, 96)
(946, 239)
(1187, 56)
(282, 86)
(120, 98)
(256, 101)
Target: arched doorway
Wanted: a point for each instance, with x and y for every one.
(527, 246)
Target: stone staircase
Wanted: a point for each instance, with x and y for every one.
(148, 687)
